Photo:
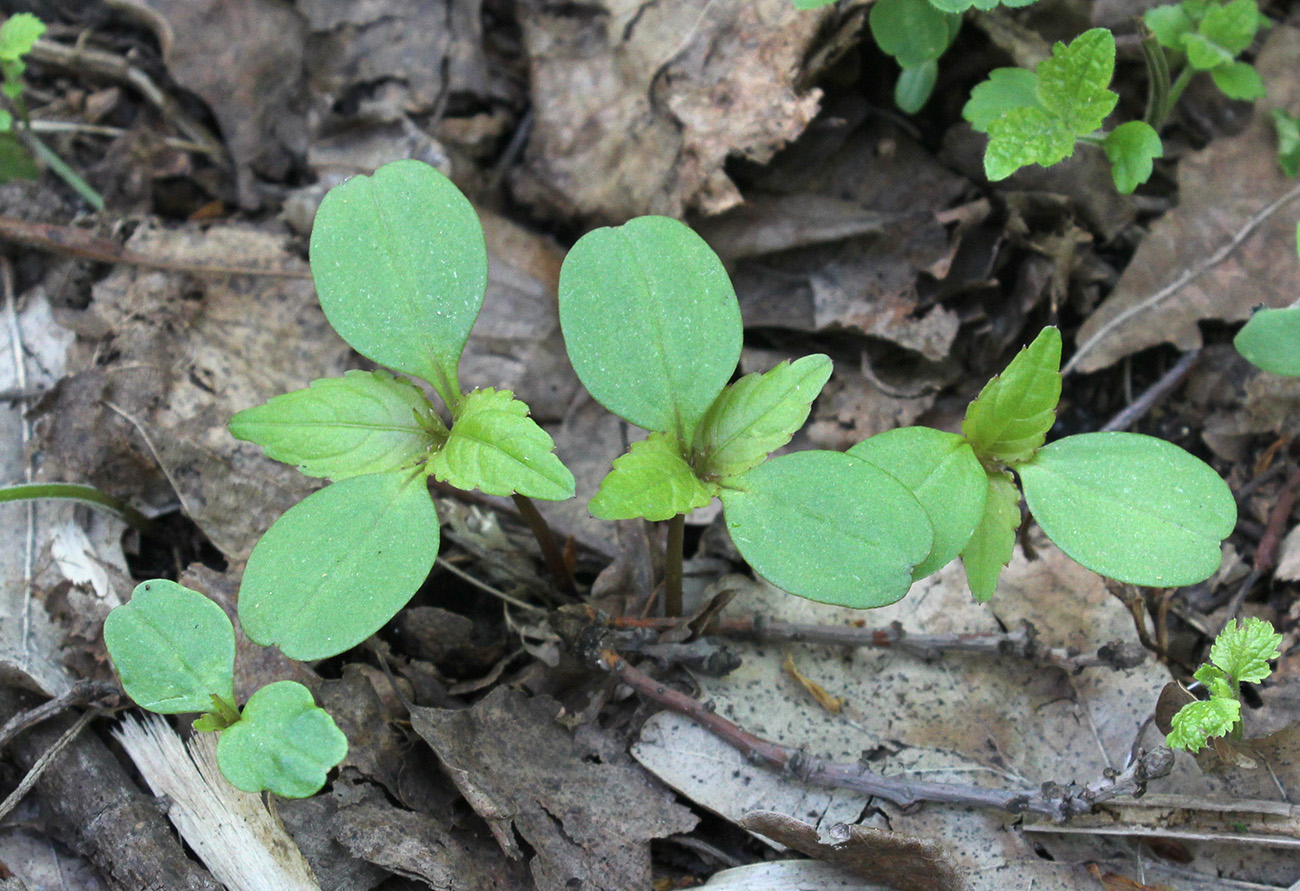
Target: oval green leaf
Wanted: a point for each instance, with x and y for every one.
(912, 31)
(1131, 147)
(283, 743)
(756, 415)
(651, 322)
(1271, 340)
(363, 422)
(829, 527)
(915, 86)
(401, 269)
(652, 480)
(1012, 414)
(1131, 507)
(339, 564)
(496, 448)
(174, 649)
(993, 542)
(940, 469)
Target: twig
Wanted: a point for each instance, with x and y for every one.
(546, 541)
(1055, 801)
(16, 353)
(1156, 392)
(485, 587)
(673, 566)
(1020, 643)
(43, 762)
(1181, 280)
(81, 693)
(1266, 552)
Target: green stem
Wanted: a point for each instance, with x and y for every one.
(1180, 84)
(673, 566)
(225, 713)
(546, 541)
(76, 492)
(1158, 105)
(44, 153)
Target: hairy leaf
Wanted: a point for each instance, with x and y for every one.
(363, 422)
(283, 743)
(756, 415)
(652, 481)
(1243, 649)
(829, 527)
(495, 447)
(1024, 136)
(1169, 24)
(940, 469)
(651, 322)
(1131, 507)
(339, 564)
(1074, 84)
(18, 35)
(1131, 147)
(1012, 414)
(1005, 89)
(994, 540)
(1271, 340)
(401, 269)
(1197, 722)
(173, 648)
(1230, 27)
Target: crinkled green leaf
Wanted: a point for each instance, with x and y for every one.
(339, 564)
(173, 648)
(1239, 80)
(363, 422)
(1131, 507)
(1271, 340)
(1244, 649)
(912, 31)
(1024, 136)
(1074, 84)
(401, 269)
(652, 480)
(1131, 147)
(1169, 24)
(829, 527)
(993, 542)
(651, 322)
(1231, 27)
(1005, 89)
(495, 447)
(1012, 414)
(1288, 141)
(756, 415)
(283, 743)
(940, 469)
(18, 35)
(1197, 722)
(1215, 681)
(1204, 54)
(915, 86)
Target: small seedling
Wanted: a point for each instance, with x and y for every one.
(175, 652)
(1288, 141)
(1271, 338)
(1240, 653)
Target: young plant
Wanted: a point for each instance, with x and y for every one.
(1131, 507)
(653, 329)
(175, 652)
(1206, 36)
(1271, 338)
(1240, 653)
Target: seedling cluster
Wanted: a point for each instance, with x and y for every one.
(653, 329)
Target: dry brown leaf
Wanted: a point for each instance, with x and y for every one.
(1221, 189)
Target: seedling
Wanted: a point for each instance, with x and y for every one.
(1288, 141)
(175, 652)
(1271, 338)
(1240, 653)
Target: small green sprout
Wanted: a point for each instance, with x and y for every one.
(1288, 141)
(1240, 653)
(1211, 36)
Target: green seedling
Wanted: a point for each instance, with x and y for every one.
(1288, 141)
(1208, 37)
(1271, 338)
(19, 147)
(653, 329)
(174, 650)
(400, 266)
(1240, 653)
(1131, 507)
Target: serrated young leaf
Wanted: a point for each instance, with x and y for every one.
(1131, 507)
(993, 542)
(1131, 147)
(1231, 26)
(829, 527)
(1243, 650)
(1204, 54)
(915, 85)
(1214, 680)
(1074, 84)
(363, 422)
(1169, 24)
(1024, 136)
(1005, 89)
(496, 448)
(1239, 80)
(1010, 418)
(339, 564)
(1288, 141)
(912, 31)
(1197, 722)
(284, 743)
(18, 35)
(941, 471)
(756, 415)
(651, 322)
(400, 266)
(173, 648)
(652, 480)
(1271, 340)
